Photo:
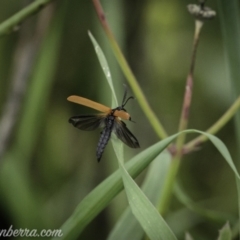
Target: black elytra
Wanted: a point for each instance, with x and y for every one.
(105, 136)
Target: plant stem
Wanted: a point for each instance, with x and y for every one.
(214, 128)
(170, 179)
(157, 126)
(12, 23)
(168, 186)
(188, 90)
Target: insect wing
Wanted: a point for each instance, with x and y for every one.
(88, 122)
(124, 134)
(89, 103)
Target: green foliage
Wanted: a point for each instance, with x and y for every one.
(49, 177)
(101, 196)
(229, 16)
(225, 233)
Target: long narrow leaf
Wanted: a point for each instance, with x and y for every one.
(144, 211)
(102, 195)
(225, 233)
(230, 25)
(151, 220)
(147, 215)
(20, 197)
(104, 66)
(40, 87)
(127, 226)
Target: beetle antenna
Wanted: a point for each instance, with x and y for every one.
(124, 103)
(125, 94)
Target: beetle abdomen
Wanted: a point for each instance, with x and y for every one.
(105, 136)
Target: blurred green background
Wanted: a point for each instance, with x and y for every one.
(49, 166)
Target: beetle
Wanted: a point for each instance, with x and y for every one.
(109, 120)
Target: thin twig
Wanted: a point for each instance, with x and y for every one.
(200, 13)
(12, 23)
(189, 88)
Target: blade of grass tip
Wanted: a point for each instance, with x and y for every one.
(188, 236)
(127, 227)
(225, 232)
(104, 66)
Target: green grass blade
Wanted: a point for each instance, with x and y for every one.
(222, 149)
(104, 66)
(148, 216)
(230, 25)
(145, 212)
(19, 196)
(188, 237)
(101, 196)
(225, 233)
(225, 153)
(19, 193)
(127, 226)
(40, 87)
(14, 21)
